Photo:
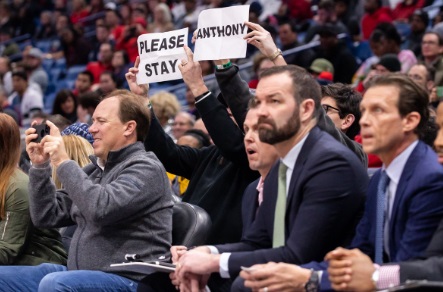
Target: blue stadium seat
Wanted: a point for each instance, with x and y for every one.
(73, 71)
(55, 74)
(50, 88)
(47, 64)
(44, 45)
(70, 84)
(60, 63)
(48, 102)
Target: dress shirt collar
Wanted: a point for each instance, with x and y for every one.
(395, 169)
(291, 158)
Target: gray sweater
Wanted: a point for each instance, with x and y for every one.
(127, 208)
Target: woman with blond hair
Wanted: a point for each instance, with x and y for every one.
(162, 19)
(78, 149)
(21, 243)
(166, 106)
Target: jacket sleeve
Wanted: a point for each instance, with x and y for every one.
(105, 204)
(424, 208)
(430, 269)
(179, 160)
(16, 227)
(224, 132)
(235, 92)
(43, 199)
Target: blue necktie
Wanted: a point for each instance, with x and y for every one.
(381, 203)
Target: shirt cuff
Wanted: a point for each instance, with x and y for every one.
(224, 260)
(389, 276)
(320, 274)
(40, 166)
(213, 249)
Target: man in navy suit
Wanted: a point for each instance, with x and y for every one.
(429, 266)
(323, 196)
(394, 118)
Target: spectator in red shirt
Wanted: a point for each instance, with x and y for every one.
(128, 40)
(296, 9)
(404, 9)
(79, 10)
(374, 15)
(113, 20)
(104, 62)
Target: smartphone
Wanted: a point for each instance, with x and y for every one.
(41, 130)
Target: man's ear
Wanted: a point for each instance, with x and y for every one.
(130, 128)
(347, 122)
(411, 121)
(307, 109)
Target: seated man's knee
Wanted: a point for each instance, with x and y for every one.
(54, 282)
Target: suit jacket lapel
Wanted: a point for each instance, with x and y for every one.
(299, 164)
(402, 186)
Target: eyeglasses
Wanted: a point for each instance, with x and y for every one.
(327, 107)
(429, 43)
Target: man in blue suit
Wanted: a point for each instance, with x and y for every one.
(394, 118)
(322, 198)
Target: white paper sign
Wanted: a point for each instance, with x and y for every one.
(220, 33)
(160, 54)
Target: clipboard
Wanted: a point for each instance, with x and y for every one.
(144, 267)
(418, 286)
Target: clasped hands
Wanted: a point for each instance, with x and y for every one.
(193, 268)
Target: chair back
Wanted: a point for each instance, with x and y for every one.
(190, 225)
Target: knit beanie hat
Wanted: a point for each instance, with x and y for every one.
(79, 129)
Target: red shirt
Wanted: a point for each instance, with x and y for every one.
(76, 16)
(97, 68)
(373, 160)
(402, 11)
(130, 46)
(370, 21)
(299, 9)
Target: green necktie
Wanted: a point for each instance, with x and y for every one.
(278, 238)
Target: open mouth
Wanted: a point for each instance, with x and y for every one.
(251, 151)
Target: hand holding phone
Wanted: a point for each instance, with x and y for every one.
(41, 130)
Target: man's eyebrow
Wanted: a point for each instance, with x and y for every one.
(275, 94)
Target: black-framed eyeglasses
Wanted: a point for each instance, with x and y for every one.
(327, 107)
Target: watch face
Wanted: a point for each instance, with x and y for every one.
(312, 285)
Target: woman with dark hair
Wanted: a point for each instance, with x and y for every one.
(75, 47)
(65, 104)
(21, 243)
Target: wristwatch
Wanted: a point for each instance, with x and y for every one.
(313, 284)
(274, 56)
(376, 275)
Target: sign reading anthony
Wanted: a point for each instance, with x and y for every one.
(220, 33)
(160, 54)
